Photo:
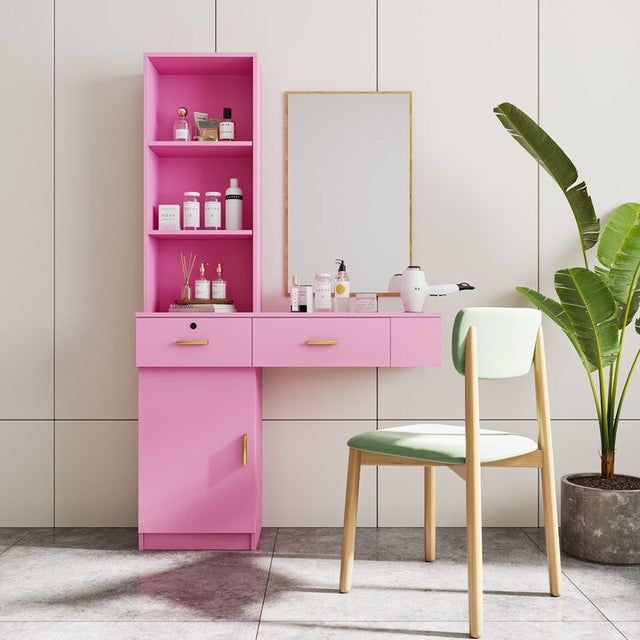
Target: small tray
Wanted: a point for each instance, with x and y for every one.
(210, 301)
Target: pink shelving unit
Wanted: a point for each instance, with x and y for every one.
(199, 395)
(200, 82)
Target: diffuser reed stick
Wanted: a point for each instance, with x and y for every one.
(187, 268)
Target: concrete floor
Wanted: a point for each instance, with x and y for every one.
(93, 584)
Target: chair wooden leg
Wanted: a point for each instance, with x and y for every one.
(429, 514)
(350, 518)
(551, 526)
(474, 551)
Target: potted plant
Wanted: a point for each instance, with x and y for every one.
(596, 309)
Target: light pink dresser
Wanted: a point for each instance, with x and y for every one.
(199, 393)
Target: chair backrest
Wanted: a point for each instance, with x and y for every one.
(505, 337)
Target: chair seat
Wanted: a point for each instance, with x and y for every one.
(443, 443)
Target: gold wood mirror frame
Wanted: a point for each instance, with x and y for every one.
(303, 135)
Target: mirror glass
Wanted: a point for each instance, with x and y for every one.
(348, 185)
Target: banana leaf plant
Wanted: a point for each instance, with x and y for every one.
(595, 305)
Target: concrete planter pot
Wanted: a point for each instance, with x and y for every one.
(600, 525)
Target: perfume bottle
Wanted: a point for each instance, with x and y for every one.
(181, 127)
(294, 295)
(226, 126)
(219, 286)
(202, 285)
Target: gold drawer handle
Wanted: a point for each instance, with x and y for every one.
(192, 343)
(322, 343)
(245, 442)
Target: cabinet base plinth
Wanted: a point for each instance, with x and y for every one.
(197, 541)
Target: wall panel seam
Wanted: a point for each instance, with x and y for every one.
(53, 319)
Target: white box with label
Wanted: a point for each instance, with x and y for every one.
(168, 217)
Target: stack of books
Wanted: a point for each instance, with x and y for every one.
(204, 306)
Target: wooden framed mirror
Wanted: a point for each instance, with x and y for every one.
(348, 185)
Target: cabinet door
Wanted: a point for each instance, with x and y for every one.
(192, 475)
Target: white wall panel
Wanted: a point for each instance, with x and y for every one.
(319, 394)
(312, 45)
(474, 194)
(589, 95)
(26, 473)
(509, 496)
(96, 483)
(99, 47)
(26, 203)
(305, 471)
(576, 446)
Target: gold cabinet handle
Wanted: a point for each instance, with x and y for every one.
(321, 343)
(245, 442)
(192, 343)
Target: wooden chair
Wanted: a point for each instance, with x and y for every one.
(487, 343)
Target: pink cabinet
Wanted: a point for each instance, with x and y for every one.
(415, 341)
(199, 373)
(199, 468)
(321, 341)
(191, 341)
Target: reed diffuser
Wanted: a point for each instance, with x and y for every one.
(187, 268)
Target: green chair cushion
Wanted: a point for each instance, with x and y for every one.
(440, 443)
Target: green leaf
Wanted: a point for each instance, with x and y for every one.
(625, 266)
(619, 225)
(638, 324)
(554, 310)
(556, 162)
(622, 306)
(593, 313)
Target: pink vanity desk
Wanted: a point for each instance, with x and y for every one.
(199, 384)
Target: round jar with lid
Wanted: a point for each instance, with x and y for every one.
(212, 210)
(322, 292)
(191, 210)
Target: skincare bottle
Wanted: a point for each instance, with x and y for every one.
(226, 126)
(233, 206)
(219, 286)
(212, 210)
(191, 210)
(305, 298)
(342, 288)
(294, 295)
(203, 286)
(322, 292)
(181, 127)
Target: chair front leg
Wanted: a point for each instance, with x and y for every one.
(474, 550)
(429, 514)
(350, 519)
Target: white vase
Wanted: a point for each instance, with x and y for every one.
(413, 291)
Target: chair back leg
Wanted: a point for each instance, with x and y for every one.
(350, 519)
(547, 478)
(429, 514)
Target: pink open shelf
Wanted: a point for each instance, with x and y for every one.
(171, 149)
(200, 82)
(202, 234)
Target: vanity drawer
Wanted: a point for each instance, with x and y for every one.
(214, 342)
(416, 341)
(321, 342)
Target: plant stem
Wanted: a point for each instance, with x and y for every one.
(607, 463)
(595, 397)
(627, 310)
(584, 251)
(624, 389)
(603, 403)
